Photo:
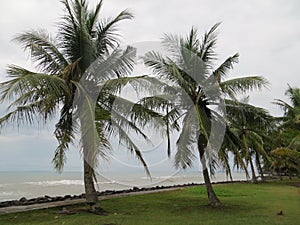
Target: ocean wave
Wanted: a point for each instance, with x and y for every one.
(5, 194)
(107, 182)
(56, 182)
(167, 177)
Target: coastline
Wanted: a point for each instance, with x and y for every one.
(45, 202)
(31, 185)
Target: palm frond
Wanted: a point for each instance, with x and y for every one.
(185, 156)
(295, 143)
(75, 38)
(133, 148)
(168, 69)
(243, 85)
(222, 70)
(68, 33)
(86, 116)
(233, 143)
(32, 93)
(24, 81)
(140, 84)
(127, 124)
(285, 106)
(206, 50)
(43, 50)
(93, 17)
(27, 114)
(118, 64)
(294, 95)
(192, 42)
(65, 135)
(106, 32)
(238, 112)
(158, 102)
(172, 44)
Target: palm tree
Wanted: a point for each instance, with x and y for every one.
(251, 126)
(80, 73)
(291, 118)
(287, 150)
(197, 87)
(285, 160)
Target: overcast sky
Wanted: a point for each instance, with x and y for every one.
(266, 33)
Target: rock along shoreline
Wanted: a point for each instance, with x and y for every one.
(48, 199)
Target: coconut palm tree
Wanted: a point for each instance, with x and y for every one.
(79, 75)
(251, 125)
(291, 118)
(197, 87)
(286, 152)
(285, 160)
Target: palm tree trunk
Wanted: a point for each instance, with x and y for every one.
(230, 176)
(280, 175)
(259, 167)
(254, 180)
(212, 197)
(90, 191)
(228, 172)
(91, 194)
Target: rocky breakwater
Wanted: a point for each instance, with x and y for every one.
(48, 199)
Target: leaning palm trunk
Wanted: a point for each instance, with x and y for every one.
(212, 197)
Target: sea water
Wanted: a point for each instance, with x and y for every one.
(15, 185)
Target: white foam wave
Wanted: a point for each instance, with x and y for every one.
(107, 182)
(163, 177)
(56, 182)
(6, 193)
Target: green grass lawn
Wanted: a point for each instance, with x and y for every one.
(243, 204)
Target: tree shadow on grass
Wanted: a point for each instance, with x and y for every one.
(73, 210)
(201, 204)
